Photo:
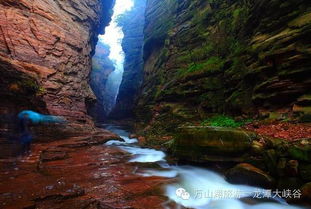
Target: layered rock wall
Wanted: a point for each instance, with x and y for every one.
(50, 43)
(102, 66)
(236, 57)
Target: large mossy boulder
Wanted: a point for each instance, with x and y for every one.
(202, 143)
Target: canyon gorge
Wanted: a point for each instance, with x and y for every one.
(156, 95)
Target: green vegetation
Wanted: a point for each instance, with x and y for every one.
(224, 121)
(240, 16)
(218, 62)
(201, 16)
(29, 85)
(162, 57)
(41, 91)
(212, 64)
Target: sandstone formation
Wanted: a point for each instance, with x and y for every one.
(77, 173)
(45, 55)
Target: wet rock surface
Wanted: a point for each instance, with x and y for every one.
(245, 157)
(78, 172)
(201, 144)
(245, 173)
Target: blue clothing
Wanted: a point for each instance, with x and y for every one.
(26, 138)
(35, 117)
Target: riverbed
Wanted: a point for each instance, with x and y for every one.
(196, 187)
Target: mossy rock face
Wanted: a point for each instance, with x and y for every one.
(301, 150)
(303, 108)
(233, 57)
(204, 143)
(274, 142)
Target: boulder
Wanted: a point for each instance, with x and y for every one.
(245, 173)
(257, 147)
(132, 136)
(301, 150)
(306, 191)
(201, 143)
(141, 140)
(287, 167)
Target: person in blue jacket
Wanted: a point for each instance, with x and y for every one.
(25, 134)
(27, 118)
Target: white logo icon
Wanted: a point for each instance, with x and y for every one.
(182, 193)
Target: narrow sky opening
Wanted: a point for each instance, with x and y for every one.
(113, 34)
(113, 38)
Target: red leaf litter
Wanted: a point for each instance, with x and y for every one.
(284, 130)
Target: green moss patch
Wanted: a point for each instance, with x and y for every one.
(224, 121)
(212, 64)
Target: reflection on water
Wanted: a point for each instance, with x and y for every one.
(196, 187)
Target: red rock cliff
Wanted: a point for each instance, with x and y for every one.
(45, 54)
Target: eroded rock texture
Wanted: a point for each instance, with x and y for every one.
(50, 43)
(102, 66)
(225, 56)
(77, 173)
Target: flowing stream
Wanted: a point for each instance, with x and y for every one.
(196, 187)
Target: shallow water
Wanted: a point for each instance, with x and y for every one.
(196, 187)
